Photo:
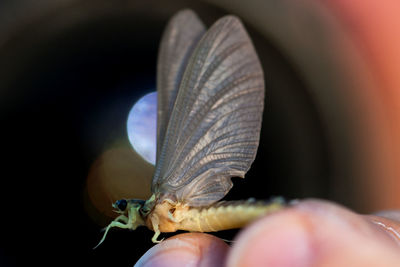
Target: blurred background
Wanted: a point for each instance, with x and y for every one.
(71, 70)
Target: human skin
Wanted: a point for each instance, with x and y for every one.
(308, 233)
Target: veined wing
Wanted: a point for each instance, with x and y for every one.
(214, 129)
(180, 37)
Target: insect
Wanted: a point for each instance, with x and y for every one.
(210, 103)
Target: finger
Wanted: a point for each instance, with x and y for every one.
(314, 233)
(191, 249)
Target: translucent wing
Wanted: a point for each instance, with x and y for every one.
(213, 132)
(183, 32)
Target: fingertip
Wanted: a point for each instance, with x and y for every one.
(265, 243)
(312, 233)
(191, 249)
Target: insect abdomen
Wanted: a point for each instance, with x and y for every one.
(225, 215)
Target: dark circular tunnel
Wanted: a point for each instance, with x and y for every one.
(69, 74)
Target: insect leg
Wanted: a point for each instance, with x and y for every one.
(115, 223)
(122, 218)
(155, 221)
(155, 236)
(171, 217)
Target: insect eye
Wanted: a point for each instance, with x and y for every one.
(121, 204)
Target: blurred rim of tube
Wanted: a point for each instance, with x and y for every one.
(318, 44)
(322, 41)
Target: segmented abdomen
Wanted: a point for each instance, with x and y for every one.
(225, 215)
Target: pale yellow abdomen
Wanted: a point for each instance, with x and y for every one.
(223, 215)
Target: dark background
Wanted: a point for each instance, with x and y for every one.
(69, 74)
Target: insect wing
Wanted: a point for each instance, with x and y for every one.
(214, 129)
(180, 37)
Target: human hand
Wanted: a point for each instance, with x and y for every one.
(309, 233)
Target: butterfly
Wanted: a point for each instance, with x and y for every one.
(210, 102)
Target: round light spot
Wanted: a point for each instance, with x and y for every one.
(142, 127)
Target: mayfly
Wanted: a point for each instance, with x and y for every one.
(210, 103)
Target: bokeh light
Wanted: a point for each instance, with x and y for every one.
(142, 127)
(124, 170)
(117, 173)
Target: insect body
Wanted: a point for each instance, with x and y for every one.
(210, 102)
